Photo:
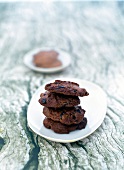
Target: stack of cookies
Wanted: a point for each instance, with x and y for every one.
(61, 109)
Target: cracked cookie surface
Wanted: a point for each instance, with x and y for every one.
(58, 100)
(58, 127)
(66, 88)
(66, 116)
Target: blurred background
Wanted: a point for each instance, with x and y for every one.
(91, 32)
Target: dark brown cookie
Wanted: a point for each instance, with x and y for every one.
(46, 59)
(66, 88)
(66, 116)
(58, 100)
(61, 128)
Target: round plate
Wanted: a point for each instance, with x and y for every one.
(64, 57)
(95, 105)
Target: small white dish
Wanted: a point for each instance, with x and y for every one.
(95, 105)
(64, 57)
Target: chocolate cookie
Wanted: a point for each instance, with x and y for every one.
(46, 59)
(61, 128)
(66, 116)
(66, 88)
(58, 100)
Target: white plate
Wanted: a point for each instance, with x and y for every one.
(64, 57)
(95, 105)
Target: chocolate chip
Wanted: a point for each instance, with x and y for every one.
(62, 114)
(44, 101)
(78, 110)
(60, 87)
(74, 117)
(85, 120)
(86, 93)
(75, 91)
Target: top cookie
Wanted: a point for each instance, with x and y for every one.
(66, 88)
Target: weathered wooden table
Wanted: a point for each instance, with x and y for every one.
(93, 34)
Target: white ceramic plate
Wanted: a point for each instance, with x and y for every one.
(64, 57)
(95, 105)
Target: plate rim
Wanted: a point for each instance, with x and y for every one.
(63, 140)
(76, 139)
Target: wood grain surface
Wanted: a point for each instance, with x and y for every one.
(93, 34)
